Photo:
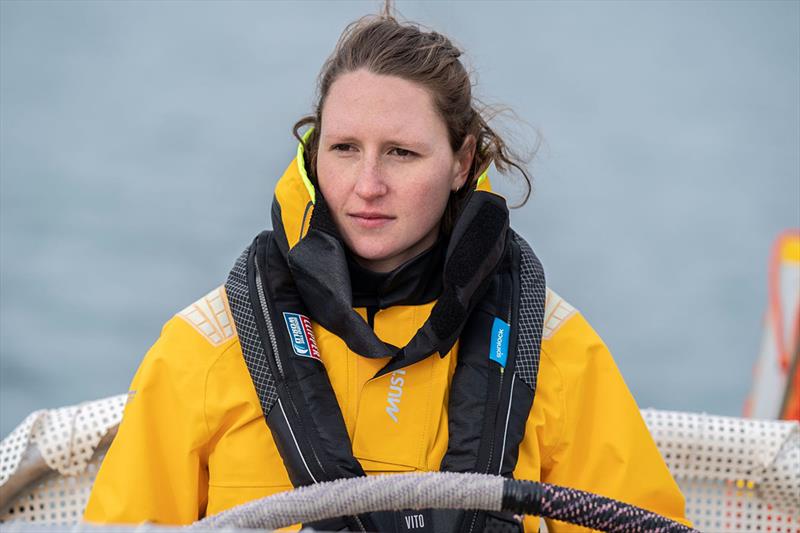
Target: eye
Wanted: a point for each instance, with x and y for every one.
(342, 147)
(402, 152)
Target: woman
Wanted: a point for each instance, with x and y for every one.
(390, 322)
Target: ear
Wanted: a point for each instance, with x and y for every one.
(463, 162)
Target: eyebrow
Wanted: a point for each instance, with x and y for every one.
(416, 145)
(336, 138)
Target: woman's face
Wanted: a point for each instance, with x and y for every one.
(385, 166)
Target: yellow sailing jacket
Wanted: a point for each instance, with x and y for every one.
(193, 441)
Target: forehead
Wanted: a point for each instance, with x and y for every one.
(361, 103)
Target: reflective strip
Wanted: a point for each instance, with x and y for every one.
(505, 431)
(556, 313)
(483, 177)
(301, 168)
(211, 317)
(288, 425)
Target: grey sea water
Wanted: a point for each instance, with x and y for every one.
(140, 141)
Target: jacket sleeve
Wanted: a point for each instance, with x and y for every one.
(602, 444)
(155, 469)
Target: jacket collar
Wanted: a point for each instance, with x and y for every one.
(417, 281)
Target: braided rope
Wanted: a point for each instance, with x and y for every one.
(584, 509)
(441, 490)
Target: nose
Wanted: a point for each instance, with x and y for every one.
(370, 183)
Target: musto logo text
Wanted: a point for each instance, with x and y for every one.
(395, 392)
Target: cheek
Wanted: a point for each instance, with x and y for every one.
(331, 182)
(430, 203)
(430, 192)
(423, 208)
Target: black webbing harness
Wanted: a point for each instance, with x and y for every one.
(493, 300)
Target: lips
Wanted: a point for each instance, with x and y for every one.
(370, 219)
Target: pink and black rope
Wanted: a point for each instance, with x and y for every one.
(584, 509)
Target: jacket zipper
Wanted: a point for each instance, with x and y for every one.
(491, 449)
(265, 311)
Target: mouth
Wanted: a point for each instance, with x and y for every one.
(370, 220)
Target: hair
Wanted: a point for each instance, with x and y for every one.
(383, 45)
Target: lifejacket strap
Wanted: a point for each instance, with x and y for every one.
(236, 288)
(533, 292)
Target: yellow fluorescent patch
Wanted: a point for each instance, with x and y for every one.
(294, 199)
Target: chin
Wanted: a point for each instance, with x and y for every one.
(372, 252)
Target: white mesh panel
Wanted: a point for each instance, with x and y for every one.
(13, 447)
(736, 474)
(69, 435)
(64, 443)
(54, 499)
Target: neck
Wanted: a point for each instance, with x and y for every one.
(418, 280)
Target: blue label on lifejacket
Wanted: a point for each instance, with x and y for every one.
(301, 335)
(498, 348)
